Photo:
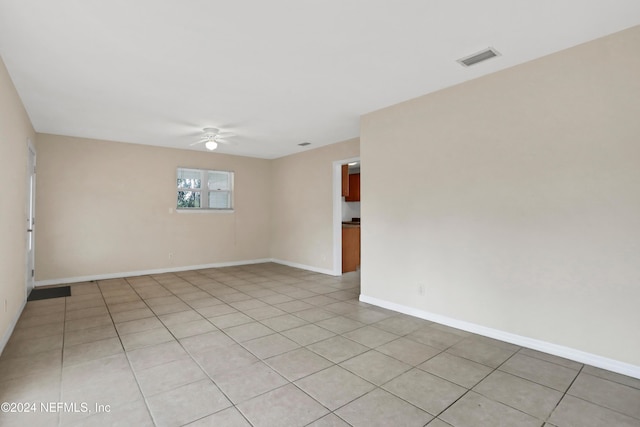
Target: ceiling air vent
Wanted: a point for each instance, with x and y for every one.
(304, 144)
(479, 57)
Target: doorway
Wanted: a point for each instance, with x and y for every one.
(31, 212)
(338, 201)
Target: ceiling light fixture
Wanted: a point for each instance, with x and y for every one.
(212, 138)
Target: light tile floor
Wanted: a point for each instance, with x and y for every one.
(269, 345)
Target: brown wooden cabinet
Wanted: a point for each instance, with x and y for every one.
(354, 188)
(345, 180)
(350, 247)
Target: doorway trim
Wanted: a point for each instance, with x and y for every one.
(30, 279)
(337, 213)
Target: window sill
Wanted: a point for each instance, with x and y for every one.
(205, 211)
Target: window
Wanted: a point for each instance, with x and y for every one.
(204, 189)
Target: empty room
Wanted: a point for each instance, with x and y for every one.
(292, 213)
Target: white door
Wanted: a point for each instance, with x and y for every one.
(31, 212)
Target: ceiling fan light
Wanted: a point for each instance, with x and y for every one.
(211, 145)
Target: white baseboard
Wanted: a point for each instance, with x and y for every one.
(305, 267)
(78, 279)
(546, 347)
(12, 326)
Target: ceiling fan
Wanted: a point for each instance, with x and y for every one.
(212, 137)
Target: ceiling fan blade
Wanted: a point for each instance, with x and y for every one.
(199, 142)
(222, 141)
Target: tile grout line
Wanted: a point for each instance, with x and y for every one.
(284, 385)
(233, 405)
(563, 395)
(588, 401)
(133, 372)
(186, 352)
(471, 388)
(175, 338)
(279, 333)
(62, 350)
(104, 303)
(333, 363)
(238, 343)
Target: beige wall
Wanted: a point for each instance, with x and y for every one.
(302, 194)
(15, 128)
(104, 208)
(515, 200)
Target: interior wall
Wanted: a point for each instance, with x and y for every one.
(15, 129)
(301, 192)
(107, 207)
(350, 210)
(514, 200)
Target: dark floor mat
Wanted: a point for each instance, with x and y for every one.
(46, 293)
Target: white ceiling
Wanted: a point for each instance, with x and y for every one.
(276, 73)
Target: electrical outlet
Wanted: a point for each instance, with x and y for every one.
(5, 305)
(421, 289)
(170, 255)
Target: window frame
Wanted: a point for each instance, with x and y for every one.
(204, 190)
